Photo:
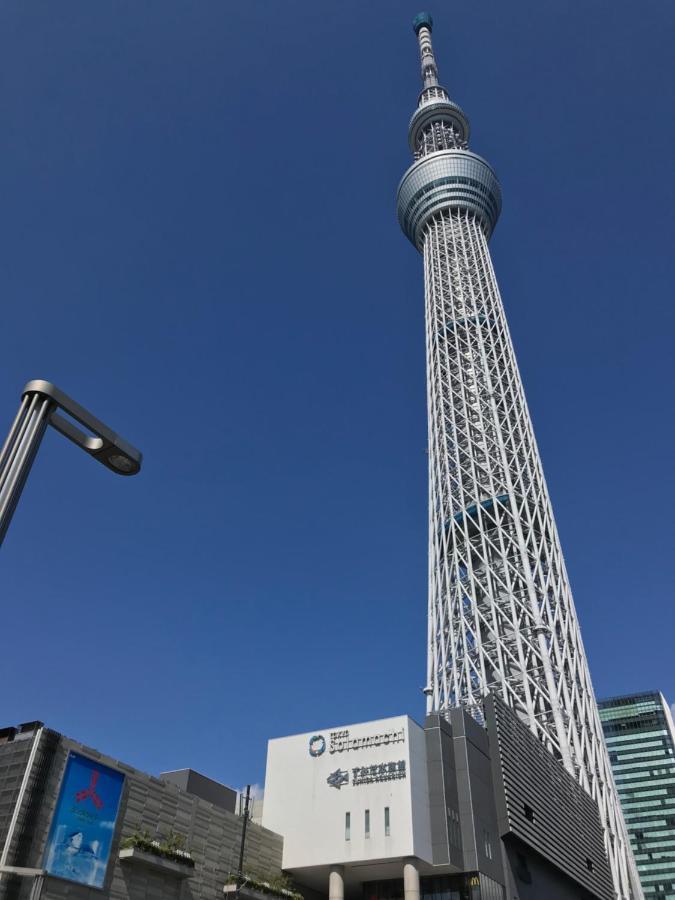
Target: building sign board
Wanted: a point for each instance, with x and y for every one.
(391, 771)
(83, 823)
(340, 741)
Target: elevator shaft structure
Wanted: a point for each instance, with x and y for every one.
(501, 614)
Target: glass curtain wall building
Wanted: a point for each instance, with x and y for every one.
(641, 741)
(501, 615)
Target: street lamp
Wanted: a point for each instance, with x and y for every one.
(40, 405)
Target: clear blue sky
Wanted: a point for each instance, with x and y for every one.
(198, 241)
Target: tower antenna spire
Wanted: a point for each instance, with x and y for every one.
(422, 25)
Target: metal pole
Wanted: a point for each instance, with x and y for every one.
(38, 876)
(19, 800)
(38, 884)
(240, 870)
(18, 453)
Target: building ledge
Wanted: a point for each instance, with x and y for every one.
(153, 861)
(247, 892)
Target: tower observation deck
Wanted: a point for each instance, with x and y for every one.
(501, 613)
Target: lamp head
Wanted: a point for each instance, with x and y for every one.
(98, 441)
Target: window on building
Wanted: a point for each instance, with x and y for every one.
(387, 823)
(487, 843)
(454, 832)
(367, 823)
(529, 812)
(348, 826)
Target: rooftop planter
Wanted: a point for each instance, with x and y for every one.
(159, 863)
(168, 855)
(260, 889)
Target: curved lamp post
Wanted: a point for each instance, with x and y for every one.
(41, 405)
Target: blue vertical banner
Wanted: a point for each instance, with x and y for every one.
(83, 824)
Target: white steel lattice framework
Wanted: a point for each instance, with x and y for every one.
(501, 614)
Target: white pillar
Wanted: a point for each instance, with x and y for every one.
(411, 881)
(336, 883)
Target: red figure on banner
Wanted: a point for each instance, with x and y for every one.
(91, 791)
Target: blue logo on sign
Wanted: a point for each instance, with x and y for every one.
(83, 825)
(317, 745)
(337, 778)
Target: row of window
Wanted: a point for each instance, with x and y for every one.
(634, 744)
(640, 777)
(632, 792)
(643, 723)
(366, 822)
(654, 853)
(634, 766)
(666, 802)
(650, 832)
(659, 752)
(650, 819)
(665, 776)
(622, 738)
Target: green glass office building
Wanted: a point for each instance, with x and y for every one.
(640, 738)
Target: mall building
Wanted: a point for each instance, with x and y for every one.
(77, 824)
(382, 810)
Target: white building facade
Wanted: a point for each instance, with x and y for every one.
(348, 796)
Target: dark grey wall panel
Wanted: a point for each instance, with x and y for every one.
(564, 824)
(531, 877)
(461, 796)
(200, 786)
(446, 840)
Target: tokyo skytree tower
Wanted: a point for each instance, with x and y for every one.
(501, 614)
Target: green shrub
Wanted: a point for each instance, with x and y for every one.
(172, 847)
(278, 885)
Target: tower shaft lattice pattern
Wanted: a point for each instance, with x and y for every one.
(501, 614)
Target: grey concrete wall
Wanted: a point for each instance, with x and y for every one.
(200, 786)
(446, 839)
(478, 812)
(13, 759)
(461, 796)
(212, 834)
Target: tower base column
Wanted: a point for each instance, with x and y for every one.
(336, 883)
(411, 881)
